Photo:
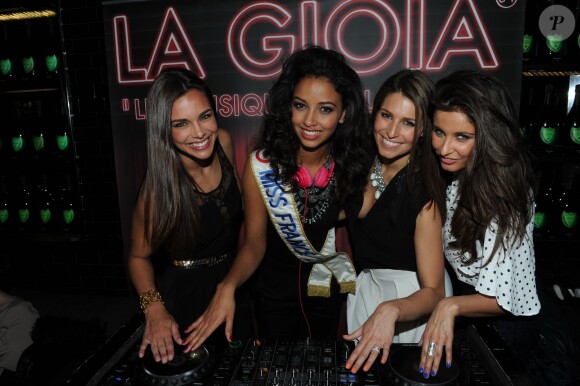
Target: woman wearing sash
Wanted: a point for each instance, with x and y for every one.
(310, 157)
(395, 227)
(487, 233)
(189, 210)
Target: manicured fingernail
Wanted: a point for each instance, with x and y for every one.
(230, 339)
(420, 370)
(448, 364)
(433, 373)
(425, 375)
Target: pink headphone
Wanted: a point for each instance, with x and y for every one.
(321, 179)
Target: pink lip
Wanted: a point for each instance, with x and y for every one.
(201, 148)
(309, 136)
(448, 161)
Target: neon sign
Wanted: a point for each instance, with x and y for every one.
(462, 33)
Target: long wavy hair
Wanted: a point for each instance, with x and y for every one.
(497, 183)
(417, 87)
(171, 211)
(350, 144)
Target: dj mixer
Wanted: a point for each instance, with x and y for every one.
(480, 358)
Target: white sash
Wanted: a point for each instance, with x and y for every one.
(282, 210)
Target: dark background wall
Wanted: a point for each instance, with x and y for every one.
(89, 261)
(95, 263)
(78, 274)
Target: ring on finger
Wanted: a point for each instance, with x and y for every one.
(431, 349)
(376, 349)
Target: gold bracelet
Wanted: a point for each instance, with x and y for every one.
(148, 297)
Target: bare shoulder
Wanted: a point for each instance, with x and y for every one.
(227, 143)
(225, 138)
(430, 212)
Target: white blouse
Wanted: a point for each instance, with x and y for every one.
(509, 277)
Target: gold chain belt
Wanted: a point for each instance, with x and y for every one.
(207, 262)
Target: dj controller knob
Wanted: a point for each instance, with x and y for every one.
(346, 351)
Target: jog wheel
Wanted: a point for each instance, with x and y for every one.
(184, 369)
(403, 369)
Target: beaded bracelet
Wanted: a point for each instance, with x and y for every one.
(148, 297)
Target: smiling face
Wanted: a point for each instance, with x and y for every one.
(193, 126)
(453, 139)
(316, 112)
(395, 127)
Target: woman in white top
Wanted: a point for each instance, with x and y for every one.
(487, 235)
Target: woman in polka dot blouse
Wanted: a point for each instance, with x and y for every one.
(487, 235)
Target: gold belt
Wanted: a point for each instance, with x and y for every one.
(207, 262)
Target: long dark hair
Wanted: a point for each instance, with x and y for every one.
(350, 143)
(171, 215)
(497, 182)
(418, 88)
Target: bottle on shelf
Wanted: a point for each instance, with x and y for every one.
(555, 46)
(17, 137)
(7, 55)
(6, 210)
(567, 205)
(51, 54)
(45, 205)
(24, 205)
(545, 202)
(527, 115)
(29, 58)
(68, 207)
(559, 110)
(545, 130)
(37, 126)
(62, 133)
(531, 32)
(572, 125)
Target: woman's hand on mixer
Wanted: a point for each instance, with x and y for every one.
(160, 332)
(220, 309)
(376, 336)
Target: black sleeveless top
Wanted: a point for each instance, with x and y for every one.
(385, 237)
(187, 292)
(221, 214)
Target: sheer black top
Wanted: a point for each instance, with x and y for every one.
(385, 237)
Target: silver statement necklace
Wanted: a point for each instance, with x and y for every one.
(377, 180)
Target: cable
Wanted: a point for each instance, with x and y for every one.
(300, 298)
